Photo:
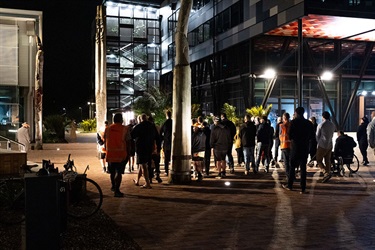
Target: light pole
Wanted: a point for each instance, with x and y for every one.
(80, 109)
(91, 111)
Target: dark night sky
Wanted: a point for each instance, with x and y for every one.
(68, 31)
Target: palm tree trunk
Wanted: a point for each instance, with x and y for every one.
(181, 131)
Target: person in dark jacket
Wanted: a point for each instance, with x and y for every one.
(264, 136)
(301, 131)
(344, 145)
(221, 140)
(145, 136)
(313, 144)
(247, 135)
(207, 153)
(198, 148)
(232, 129)
(277, 141)
(166, 138)
(362, 139)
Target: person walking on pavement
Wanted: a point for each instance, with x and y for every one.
(101, 146)
(198, 147)
(247, 135)
(221, 140)
(166, 139)
(324, 135)
(23, 136)
(207, 153)
(117, 144)
(313, 144)
(285, 143)
(277, 141)
(145, 136)
(154, 163)
(362, 140)
(238, 147)
(371, 132)
(232, 128)
(300, 132)
(264, 136)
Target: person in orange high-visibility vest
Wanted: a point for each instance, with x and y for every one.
(117, 144)
(285, 143)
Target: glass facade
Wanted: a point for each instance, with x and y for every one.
(231, 45)
(133, 52)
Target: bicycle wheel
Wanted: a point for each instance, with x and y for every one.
(84, 197)
(354, 166)
(12, 201)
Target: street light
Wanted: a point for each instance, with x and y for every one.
(90, 109)
(64, 111)
(80, 109)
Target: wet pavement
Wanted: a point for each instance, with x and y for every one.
(252, 212)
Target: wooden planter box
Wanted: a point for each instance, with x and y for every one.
(11, 161)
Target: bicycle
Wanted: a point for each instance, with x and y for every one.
(350, 161)
(83, 198)
(12, 201)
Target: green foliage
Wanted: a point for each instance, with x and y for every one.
(230, 111)
(88, 125)
(54, 128)
(259, 110)
(154, 102)
(195, 110)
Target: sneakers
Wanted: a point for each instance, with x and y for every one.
(246, 172)
(286, 187)
(231, 171)
(104, 170)
(365, 163)
(200, 178)
(119, 194)
(326, 178)
(158, 179)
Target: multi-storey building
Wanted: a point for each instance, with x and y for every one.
(19, 30)
(233, 42)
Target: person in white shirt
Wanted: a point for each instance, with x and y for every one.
(324, 134)
(23, 137)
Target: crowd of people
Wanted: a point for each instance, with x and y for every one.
(297, 137)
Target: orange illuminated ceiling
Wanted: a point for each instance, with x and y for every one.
(330, 27)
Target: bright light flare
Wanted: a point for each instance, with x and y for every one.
(227, 183)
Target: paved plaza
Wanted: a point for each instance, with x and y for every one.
(252, 212)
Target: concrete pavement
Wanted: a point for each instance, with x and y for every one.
(253, 212)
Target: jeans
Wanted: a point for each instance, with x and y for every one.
(285, 154)
(229, 157)
(263, 148)
(248, 153)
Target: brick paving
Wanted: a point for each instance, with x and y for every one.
(254, 212)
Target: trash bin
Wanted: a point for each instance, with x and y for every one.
(44, 211)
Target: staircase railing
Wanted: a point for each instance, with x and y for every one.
(8, 144)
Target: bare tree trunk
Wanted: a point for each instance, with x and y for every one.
(181, 131)
(39, 62)
(100, 64)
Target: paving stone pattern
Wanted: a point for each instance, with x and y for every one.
(253, 212)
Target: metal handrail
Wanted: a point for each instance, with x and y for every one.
(9, 143)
